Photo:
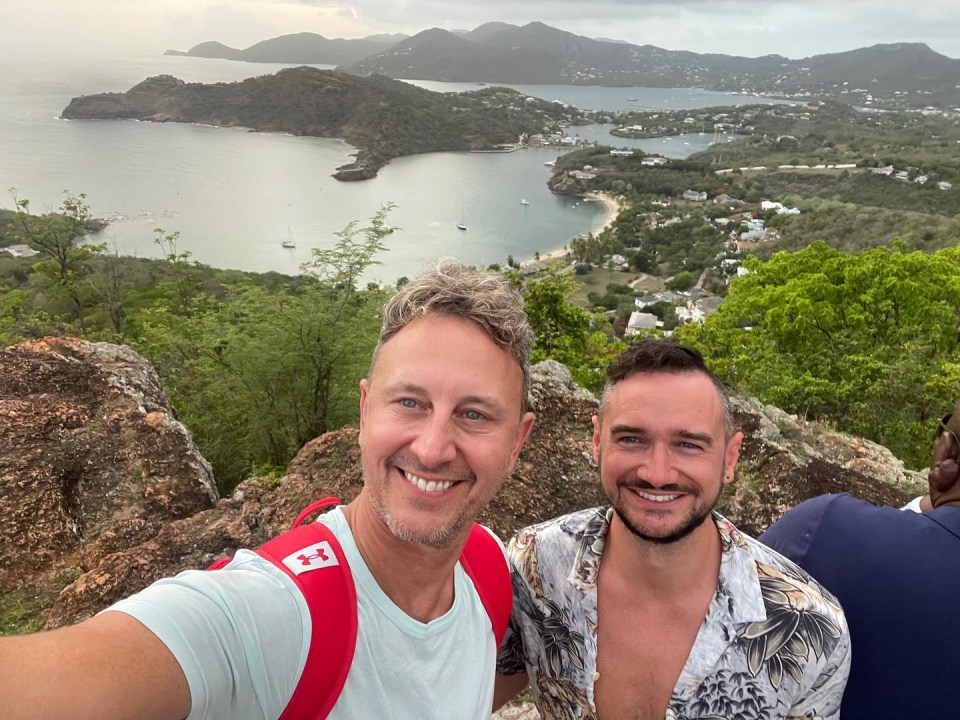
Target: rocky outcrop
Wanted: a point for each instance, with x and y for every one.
(97, 477)
(92, 459)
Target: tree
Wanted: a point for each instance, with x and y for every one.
(260, 372)
(567, 333)
(682, 281)
(867, 341)
(63, 272)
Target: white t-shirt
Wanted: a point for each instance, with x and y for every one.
(241, 636)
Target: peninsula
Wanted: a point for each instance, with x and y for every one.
(381, 117)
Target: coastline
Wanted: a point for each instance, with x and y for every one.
(613, 210)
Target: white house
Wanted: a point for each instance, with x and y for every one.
(640, 321)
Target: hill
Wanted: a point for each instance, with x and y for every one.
(308, 48)
(905, 74)
(383, 118)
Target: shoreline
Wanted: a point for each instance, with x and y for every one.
(613, 210)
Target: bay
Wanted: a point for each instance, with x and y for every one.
(235, 195)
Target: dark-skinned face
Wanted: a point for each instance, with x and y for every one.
(944, 475)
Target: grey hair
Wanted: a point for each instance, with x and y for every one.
(651, 355)
(485, 299)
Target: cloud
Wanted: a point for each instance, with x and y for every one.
(795, 28)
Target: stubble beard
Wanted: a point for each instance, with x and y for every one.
(441, 537)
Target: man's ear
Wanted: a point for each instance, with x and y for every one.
(523, 432)
(596, 438)
(364, 393)
(731, 455)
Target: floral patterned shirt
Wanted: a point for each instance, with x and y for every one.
(773, 644)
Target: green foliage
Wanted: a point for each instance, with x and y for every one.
(567, 333)
(62, 275)
(21, 613)
(682, 281)
(868, 341)
(260, 372)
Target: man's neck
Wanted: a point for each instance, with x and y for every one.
(665, 570)
(417, 578)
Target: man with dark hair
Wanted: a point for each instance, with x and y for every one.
(897, 574)
(442, 420)
(656, 606)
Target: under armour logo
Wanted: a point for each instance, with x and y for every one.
(313, 557)
(320, 554)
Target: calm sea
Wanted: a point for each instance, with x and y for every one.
(235, 195)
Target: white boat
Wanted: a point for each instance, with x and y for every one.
(461, 226)
(289, 243)
(524, 201)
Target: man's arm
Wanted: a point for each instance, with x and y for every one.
(507, 687)
(826, 693)
(108, 667)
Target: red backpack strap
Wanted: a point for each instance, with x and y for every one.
(484, 561)
(313, 507)
(312, 557)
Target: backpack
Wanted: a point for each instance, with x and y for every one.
(332, 601)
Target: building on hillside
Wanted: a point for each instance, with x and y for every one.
(640, 321)
(20, 251)
(667, 296)
(694, 196)
(653, 161)
(620, 153)
(727, 199)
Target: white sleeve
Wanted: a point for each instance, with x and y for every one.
(913, 505)
(241, 635)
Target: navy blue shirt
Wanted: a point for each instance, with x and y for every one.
(897, 576)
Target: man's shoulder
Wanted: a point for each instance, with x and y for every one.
(810, 516)
(572, 526)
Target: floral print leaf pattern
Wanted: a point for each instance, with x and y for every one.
(772, 646)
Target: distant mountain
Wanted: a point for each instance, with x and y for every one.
(384, 118)
(210, 49)
(901, 74)
(307, 48)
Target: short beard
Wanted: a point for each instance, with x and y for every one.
(688, 526)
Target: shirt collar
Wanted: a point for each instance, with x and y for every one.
(738, 598)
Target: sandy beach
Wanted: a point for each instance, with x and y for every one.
(613, 209)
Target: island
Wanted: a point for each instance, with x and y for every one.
(382, 118)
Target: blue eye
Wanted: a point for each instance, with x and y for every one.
(408, 403)
(472, 415)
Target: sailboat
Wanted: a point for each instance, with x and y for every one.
(462, 225)
(524, 201)
(288, 243)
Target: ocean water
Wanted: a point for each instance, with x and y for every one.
(235, 195)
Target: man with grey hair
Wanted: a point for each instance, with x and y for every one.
(656, 606)
(442, 420)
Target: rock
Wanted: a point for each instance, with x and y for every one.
(92, 458)
(518, 711)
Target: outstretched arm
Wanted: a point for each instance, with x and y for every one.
(108, 667)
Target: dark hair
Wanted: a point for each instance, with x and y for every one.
(653, 356)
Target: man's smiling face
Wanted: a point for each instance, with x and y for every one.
(663, 454)
(441, 425)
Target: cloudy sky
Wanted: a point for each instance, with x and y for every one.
(795, 28)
